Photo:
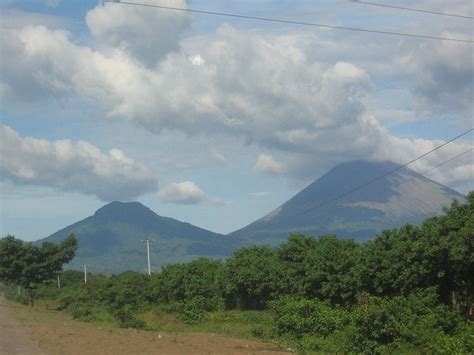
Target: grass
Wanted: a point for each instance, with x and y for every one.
(45, 312)
(255, 325)
(235, 323)
(241, 324)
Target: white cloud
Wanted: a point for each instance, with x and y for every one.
(147, 34)
(185, 193)
(286, 93)
(197, 60)
(266, 164)
(274, 101)
(72, 166)
(459, 173)
(443, 85)
(50, 56)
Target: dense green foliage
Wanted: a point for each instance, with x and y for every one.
(409, 290)
(28, 265)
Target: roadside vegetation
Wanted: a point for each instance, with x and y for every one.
(29, 266)
(411, 290)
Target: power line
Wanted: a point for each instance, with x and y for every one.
(447, 161)
(411, 9)
(267, 19)
(351, 191)
(411, 177)
(436, 166)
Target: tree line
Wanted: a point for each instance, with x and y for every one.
(410, 289)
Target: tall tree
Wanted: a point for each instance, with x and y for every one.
(28, 265)
(252, 277)
(438, 254)
(325, 268)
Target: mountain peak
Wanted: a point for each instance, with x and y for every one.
(366, 165)
(358, 172)
(401, 197)
(346, 177)
(131, 212)
(109, 240)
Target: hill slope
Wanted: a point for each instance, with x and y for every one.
(110, 241)
(402, 197)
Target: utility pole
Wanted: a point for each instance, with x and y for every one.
(148, 241)
(59, 282)
(85, 273)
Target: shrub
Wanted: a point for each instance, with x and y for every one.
(126, 318)
(397, 323)
(190, 313)
(298, 317)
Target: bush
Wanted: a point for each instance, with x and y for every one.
(252, 277)
(72, 296)
(79, 304)
(128, 290)
(200, 279)
(298, 317)
(126, 318)
(190, 313)
(398, 323)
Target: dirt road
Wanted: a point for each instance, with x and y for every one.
(13, 338)
(37, 331)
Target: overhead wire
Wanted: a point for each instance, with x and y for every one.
(434, 167)
(353, 190)
(311, 24)
(357, 188)
(411, 9)
(447, 161)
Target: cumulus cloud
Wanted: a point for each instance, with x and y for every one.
(267, 88)
(50, 56)
(72, 166)
(197, 60)
(442, 84)
(277, 100)
(186, 193)
(147, 34)
(459, 173)
(266, 164)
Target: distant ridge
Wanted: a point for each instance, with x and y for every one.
(400, 198)
(110, 241)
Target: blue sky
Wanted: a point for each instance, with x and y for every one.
(217, 121)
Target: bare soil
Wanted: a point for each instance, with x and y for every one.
(13, 339)
(38, 331)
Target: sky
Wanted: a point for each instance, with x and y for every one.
(217, 121)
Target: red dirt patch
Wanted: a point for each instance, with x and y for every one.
(57, 333)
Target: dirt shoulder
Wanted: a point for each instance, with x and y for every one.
(13, 337)
(56, 333)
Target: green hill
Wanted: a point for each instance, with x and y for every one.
(110, 241)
